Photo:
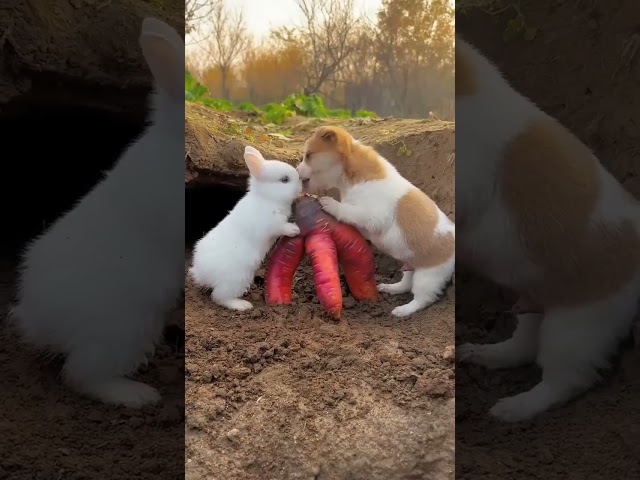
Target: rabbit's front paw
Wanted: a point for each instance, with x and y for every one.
(120, 391)
(291, 230)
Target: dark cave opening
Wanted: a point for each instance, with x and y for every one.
(205, 207)
(52, 156)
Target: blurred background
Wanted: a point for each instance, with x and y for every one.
(391, 57)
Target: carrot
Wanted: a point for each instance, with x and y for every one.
(324, 260)
(283, 263)
(356, 257)
(328, 243)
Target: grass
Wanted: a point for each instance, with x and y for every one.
(274, 112)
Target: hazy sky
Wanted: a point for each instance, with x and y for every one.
(263, 15)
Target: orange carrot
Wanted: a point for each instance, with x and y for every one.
(356, 257)
(324, 260)
(284, 261)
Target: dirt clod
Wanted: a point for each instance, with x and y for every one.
(449, 353)
(233, 435)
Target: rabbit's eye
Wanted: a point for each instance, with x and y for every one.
(284, 179)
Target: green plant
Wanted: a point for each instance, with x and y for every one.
(234, 129)
(306, 105)
(518, 26)
(365, 113)
(218, 104)
(193, 90)
(276, 113)
(247, 107)
(338, 113)
(404, 150)
(272, 113)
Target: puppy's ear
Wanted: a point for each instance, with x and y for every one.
(328, 135)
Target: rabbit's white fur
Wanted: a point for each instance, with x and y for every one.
(227, 257)
(96, 285)
(572, 342)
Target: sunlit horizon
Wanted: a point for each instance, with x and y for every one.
(262, 16)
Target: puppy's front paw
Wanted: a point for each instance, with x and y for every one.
(330, 205)
(489, 356)
(404, 310)
(291, 230)
(518, 408)
(468, 352)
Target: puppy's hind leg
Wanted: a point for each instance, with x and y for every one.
(428, 284)
(575, 343)
(518, 350)
(403, 286)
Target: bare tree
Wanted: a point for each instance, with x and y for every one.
(225, 40)
(360, 70)
(195, 11)
(327, 37)
(414, 46)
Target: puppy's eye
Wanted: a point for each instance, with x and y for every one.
(285, 179)
(307, 155)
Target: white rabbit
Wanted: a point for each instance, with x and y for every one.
(226, 258)
(95, 286)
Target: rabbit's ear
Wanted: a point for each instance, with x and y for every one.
(163, 49)
(254, 160)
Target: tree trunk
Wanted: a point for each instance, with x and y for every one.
(224, 87)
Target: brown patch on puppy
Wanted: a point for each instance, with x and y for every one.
(465, 79)
(417, 216)
(551, 184)
(359, 162)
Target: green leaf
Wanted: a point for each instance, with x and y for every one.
(511, 30)
(530, 33)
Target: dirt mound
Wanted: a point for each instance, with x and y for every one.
(61, 52)
(582, 68)
(287, 393)
(421, 149)
(83, 438)
(595, 77)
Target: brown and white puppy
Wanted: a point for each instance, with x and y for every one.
(543, 217)
(396, 216)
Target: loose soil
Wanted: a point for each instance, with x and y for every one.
(78, 52)
(50, 432)
(84, 55)
(578, 70)
(285, 392)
